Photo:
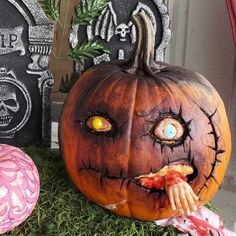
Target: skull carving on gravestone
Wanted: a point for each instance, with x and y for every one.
(122, 30)
(8, 105)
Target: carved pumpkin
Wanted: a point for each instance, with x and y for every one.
(127, 119)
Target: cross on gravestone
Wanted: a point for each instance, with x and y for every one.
(116, 31)
(26, 37)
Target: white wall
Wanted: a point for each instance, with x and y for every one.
(202, 41)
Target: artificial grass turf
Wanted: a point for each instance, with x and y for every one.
(63, 211)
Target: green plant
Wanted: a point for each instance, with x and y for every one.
(87, 50)
(67, 83)
(51, 8)
(211, 207)
(88, 11)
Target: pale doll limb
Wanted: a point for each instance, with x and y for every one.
(182, 197)
(173, 179)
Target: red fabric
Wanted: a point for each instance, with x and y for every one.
(199, 223)
(232, 13)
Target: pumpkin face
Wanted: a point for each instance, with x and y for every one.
(123, 120)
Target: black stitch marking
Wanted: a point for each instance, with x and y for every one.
(101, 181)
(220, 152)
(121, 173)
(150, 121)
(168, 159)
(143, 135)
(151, 170)
(204, 186)
(150, 193)
(128, 183)
(162, 149)
(129, 180)
(180, 110)
(122, 182)
(215, 148)
(83, 163)
(171, 148)
(107, 171)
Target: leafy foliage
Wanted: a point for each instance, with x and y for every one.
(211, 207)
(51, 8)
(67, 83)
(87, 50)
(63, 211)
(88, 10)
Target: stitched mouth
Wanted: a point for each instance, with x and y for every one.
(189, 169)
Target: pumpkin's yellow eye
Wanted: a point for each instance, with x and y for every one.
(99, 124)
(169, 129)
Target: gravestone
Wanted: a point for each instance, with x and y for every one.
(26, 38)
(116, 31)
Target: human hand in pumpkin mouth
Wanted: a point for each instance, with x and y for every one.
(182, 197)
(173, 179)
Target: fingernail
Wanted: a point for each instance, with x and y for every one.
(195, 208)
(188, 212)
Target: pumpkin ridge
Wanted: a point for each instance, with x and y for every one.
(100, 85)
(86, 93)
(114, 84)
(130, 140)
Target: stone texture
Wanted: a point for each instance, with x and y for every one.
(114, 29)
(25, 44)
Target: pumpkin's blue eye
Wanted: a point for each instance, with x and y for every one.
(169, 129)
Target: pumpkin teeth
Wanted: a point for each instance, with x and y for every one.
(184, 169)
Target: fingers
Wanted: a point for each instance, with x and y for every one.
(191, 198)
(182, 198)
(195, 197)
(185, 201)
(171, 198)
(176, 196)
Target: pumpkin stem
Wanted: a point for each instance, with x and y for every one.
(143, 57)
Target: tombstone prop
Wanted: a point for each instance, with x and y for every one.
(25, 83)
(116, 31)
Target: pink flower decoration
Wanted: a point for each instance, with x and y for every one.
(19, 187)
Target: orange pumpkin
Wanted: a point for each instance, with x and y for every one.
(125, 119)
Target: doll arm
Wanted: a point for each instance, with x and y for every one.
(181, 195)
(174, 181)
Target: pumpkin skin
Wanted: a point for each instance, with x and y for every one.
(134, 97)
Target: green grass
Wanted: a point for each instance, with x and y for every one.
(63, 211)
